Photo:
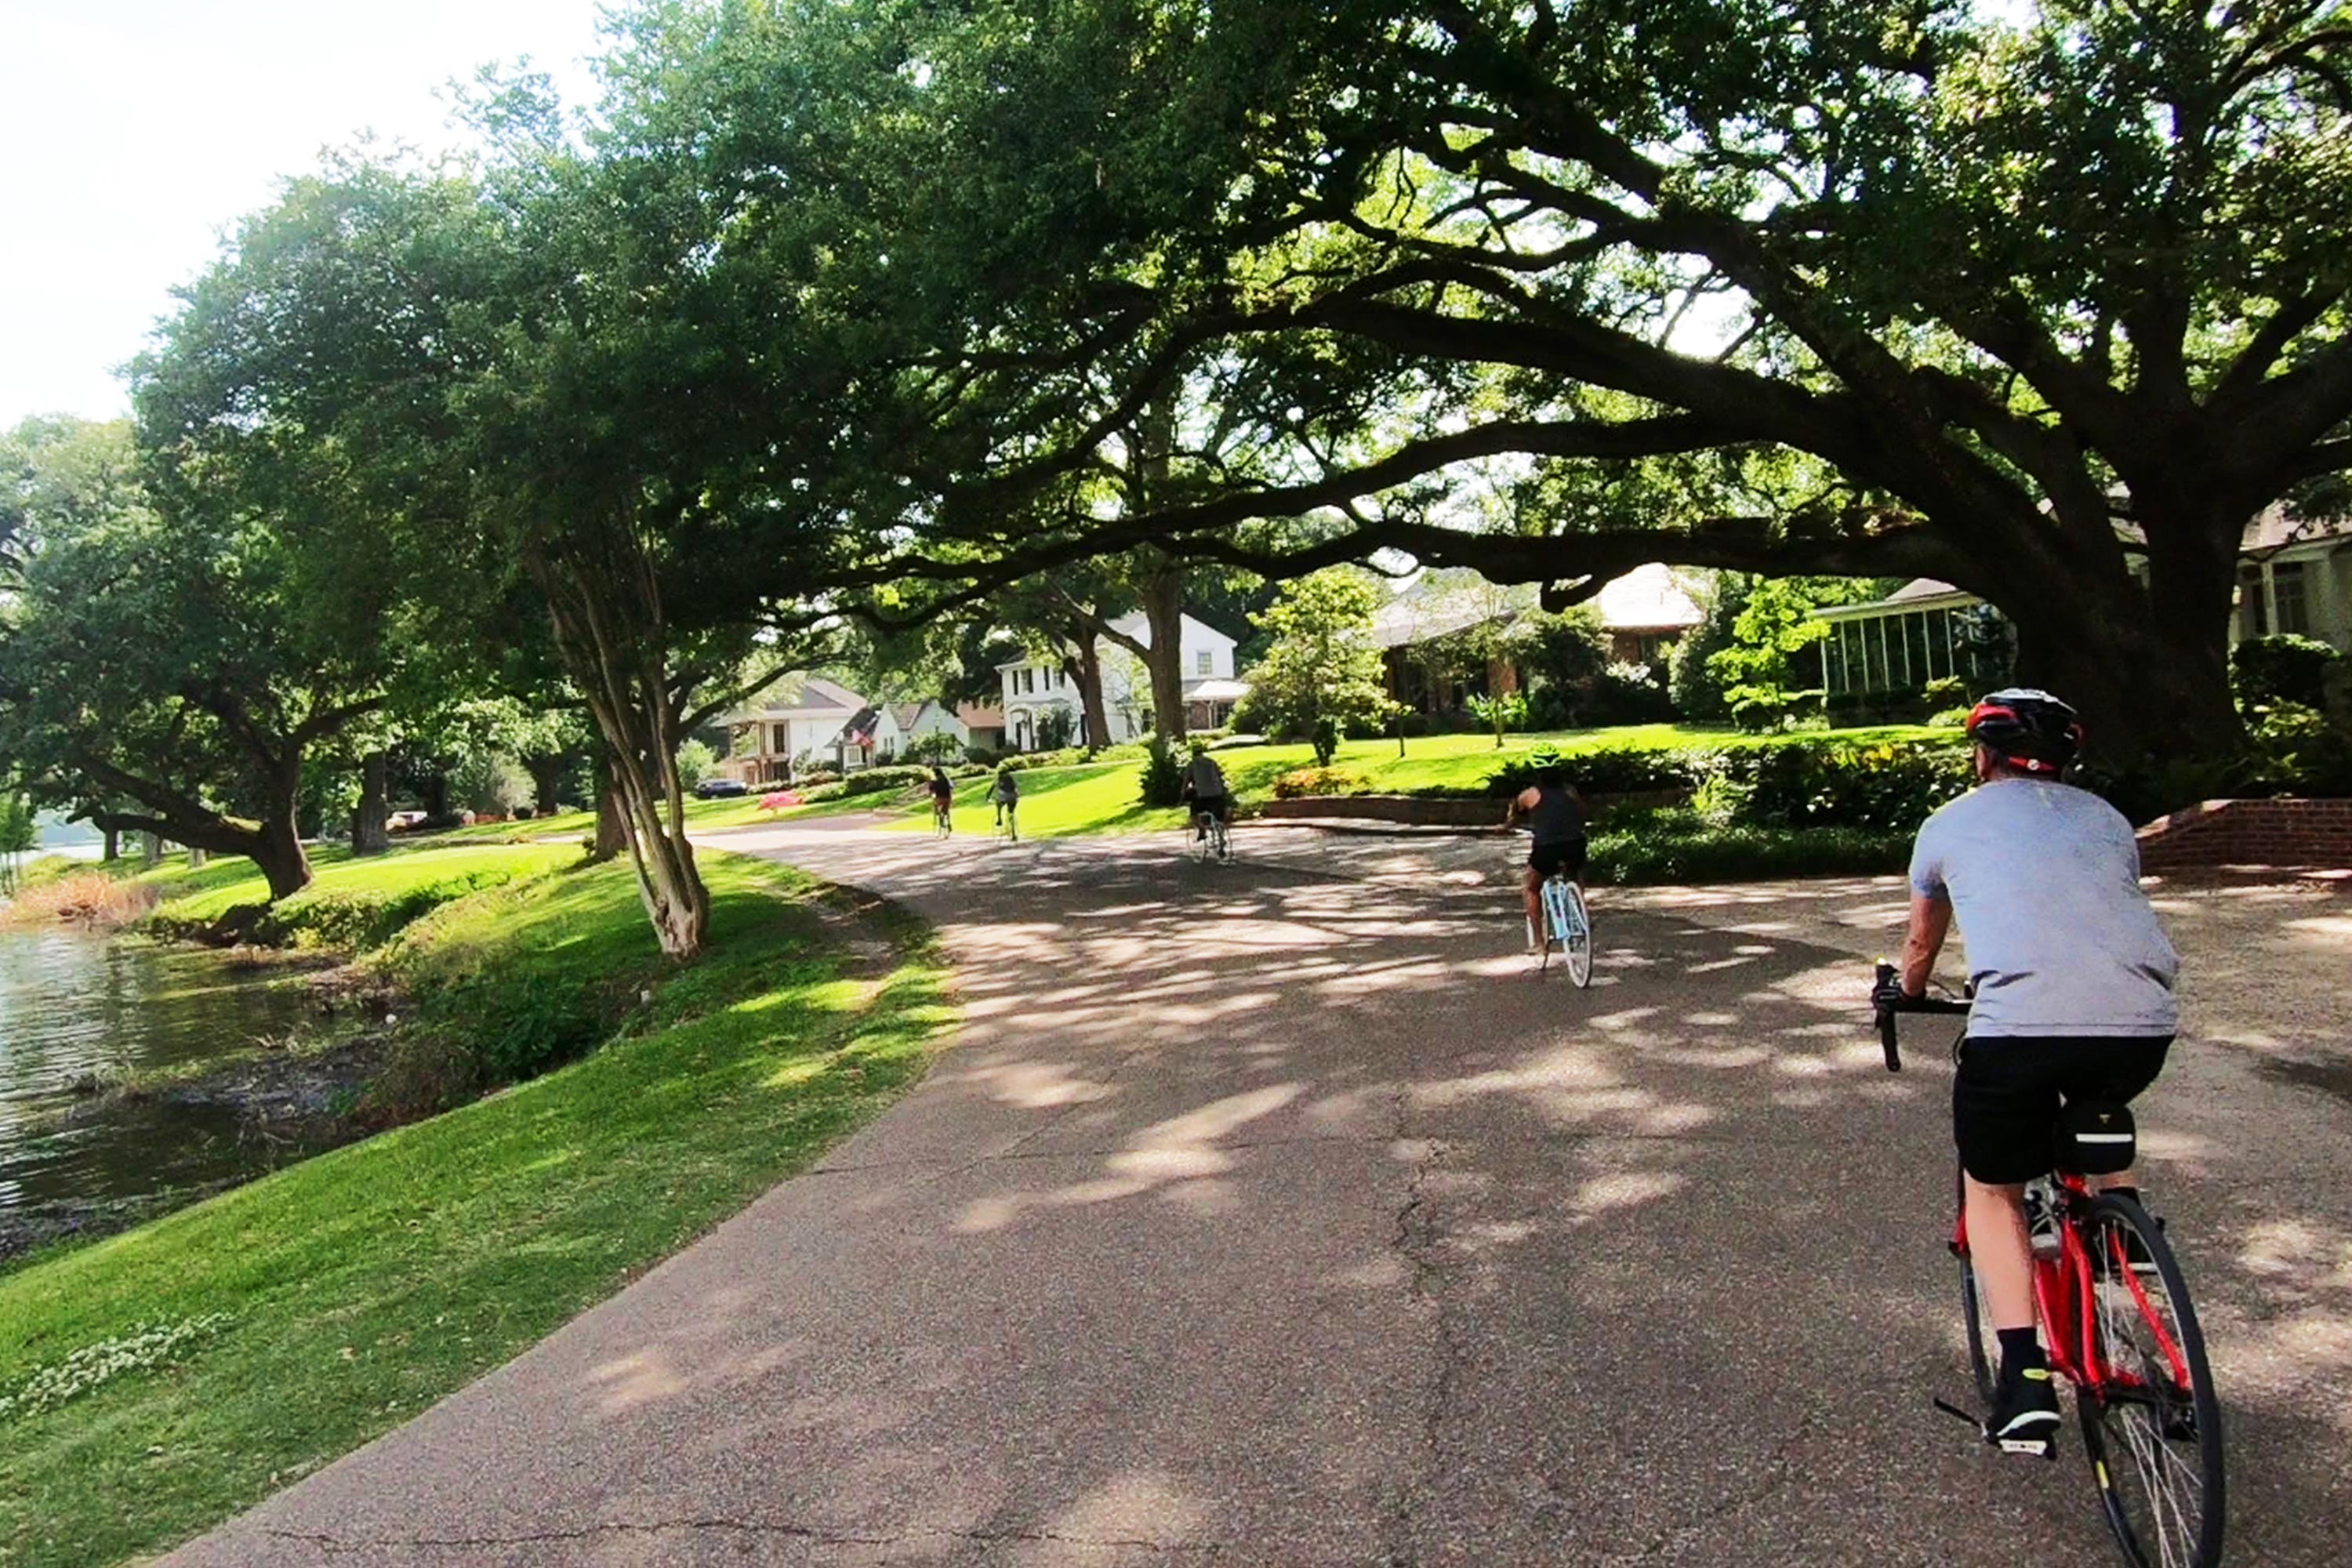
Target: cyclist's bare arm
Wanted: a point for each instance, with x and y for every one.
(1523, 803)
(1931, 921)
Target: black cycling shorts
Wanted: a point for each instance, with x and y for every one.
(2006, 1095)
(1219, 807)
(1561, 855)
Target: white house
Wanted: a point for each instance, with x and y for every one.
(1037, 689)
(797, 722)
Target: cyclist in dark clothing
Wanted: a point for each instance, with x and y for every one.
(1555, 812)
(943, 794)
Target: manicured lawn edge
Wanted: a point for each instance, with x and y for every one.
(307, 1313)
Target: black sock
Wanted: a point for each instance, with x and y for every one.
(2021, 1351)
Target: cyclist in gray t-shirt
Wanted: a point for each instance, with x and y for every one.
(2073, 996)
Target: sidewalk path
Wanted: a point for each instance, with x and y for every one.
(1278, 1214)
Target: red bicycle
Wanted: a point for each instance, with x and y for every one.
(2118, 1326)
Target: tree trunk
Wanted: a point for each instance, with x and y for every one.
(278, 848)
(612, 827)
(368, 834)
(605, 603)
(433, 795)
(546, 781)
(2148, 669)
(113, 850)
(1163, 608)
(153, 850)
(1090, 692)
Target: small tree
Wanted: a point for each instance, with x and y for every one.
(1322, 673)
(1502, 714)
(934, 746)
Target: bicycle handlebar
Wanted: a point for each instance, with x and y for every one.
(1885, 1015)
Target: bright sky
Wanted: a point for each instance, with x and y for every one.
(136, 131)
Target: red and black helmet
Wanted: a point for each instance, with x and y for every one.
(2030, 731)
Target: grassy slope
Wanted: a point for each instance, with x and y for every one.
(204, 896)
(360, 1287)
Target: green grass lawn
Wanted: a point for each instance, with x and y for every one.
(257, 1336)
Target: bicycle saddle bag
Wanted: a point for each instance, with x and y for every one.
(2097, 1136)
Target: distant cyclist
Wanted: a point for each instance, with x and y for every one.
(1005, 794)
(943, 797)
(1554, 811)
(2073, 981)
(1205, 792)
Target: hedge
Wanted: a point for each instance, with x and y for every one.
(1796, 782)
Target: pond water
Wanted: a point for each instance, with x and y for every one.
(73, 1006)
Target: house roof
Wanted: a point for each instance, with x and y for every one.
(1217, 691)
(1919, 594)
(1438, 604)
(975, 717)
(906, 713)
(1647, 599)
(800, 697)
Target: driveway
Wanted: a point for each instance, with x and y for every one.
(1278, 1212)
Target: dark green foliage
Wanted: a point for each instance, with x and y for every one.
(1695, 691)
(1163, 775)
(1326, 742)
(1796, 782)
(1628, 772)
(1891, 787)
(877, 781)
(2281, 669)
(1670, 846)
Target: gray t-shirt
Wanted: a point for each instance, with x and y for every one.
(2044, 883)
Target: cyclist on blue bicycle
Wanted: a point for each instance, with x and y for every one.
(1555, 812)
(2073, 998)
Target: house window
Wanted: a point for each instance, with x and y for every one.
(1200, 662)
(2288, 609)
(2253, 613)
(783, 746)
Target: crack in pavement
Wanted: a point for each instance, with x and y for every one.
(1416, 1240)
(335, 1544)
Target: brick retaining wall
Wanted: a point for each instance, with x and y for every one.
(2289, 832)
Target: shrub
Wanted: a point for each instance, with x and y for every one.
(1630, 771)
(877, 781)
(1804, 784)
(1951, 718)
(695, 763)
(1302, 781)
(2281, 669)
(1501, 713)
(1671, 848)
(1163, 775)
(1945, 693)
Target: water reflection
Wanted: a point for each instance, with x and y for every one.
(74, 1007)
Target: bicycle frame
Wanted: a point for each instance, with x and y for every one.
(2065, 1293)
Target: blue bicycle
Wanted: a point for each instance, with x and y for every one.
(1567, 922)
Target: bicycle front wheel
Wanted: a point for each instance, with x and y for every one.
(2151, 1421)
(1577, 947)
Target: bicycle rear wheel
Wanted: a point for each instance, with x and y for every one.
(1577, 946)
(2151, 1421)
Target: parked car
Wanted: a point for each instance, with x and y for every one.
(721, 789)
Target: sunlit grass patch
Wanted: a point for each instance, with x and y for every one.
(344, 1294)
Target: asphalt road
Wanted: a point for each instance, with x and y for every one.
(1280, 1213)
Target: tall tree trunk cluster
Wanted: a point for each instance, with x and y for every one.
(605, 601)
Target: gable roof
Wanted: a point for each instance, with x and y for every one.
(799, 696)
